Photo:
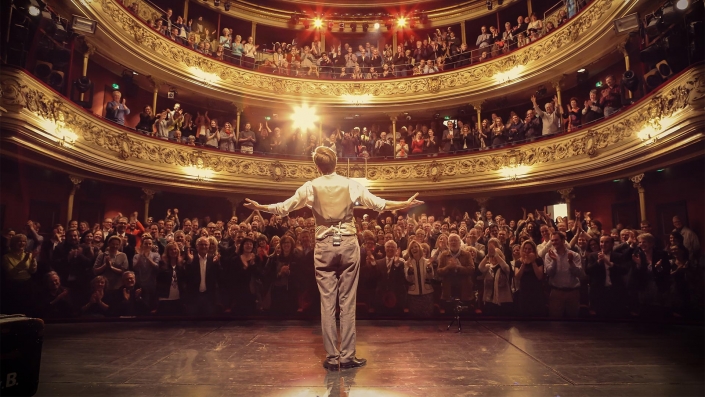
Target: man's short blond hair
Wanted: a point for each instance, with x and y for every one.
(325, 159)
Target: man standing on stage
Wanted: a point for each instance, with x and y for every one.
(332, 199)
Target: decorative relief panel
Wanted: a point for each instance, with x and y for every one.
(173, 54)
(21, 93)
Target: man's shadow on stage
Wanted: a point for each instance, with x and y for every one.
(339, 383)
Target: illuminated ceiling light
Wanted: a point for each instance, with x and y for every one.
(682, 4)
(376, 25)
(515, 172)
(511, 74)
(304, 117)
(206, 77)
(357, 100)
(34, 11)
(401, 22)
(317, 23)
(201, 174)
(581, 70)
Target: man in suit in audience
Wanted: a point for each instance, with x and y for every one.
(606, 274)
(391, 281)
(201, 279)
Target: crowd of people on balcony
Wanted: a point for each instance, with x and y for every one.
(411, 265)
(414, 139)
(415, 56)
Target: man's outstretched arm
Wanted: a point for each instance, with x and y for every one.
(298, 200)
(400, 205)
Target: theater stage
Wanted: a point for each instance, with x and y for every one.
(258, 358)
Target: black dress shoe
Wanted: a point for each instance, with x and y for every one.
(331, 367)
(354, 363)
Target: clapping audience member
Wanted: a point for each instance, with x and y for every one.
(111, 264)
(419, 275)
(127, 300)
(497, 292)
(565, 272)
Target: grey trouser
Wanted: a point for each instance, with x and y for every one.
(337, 273)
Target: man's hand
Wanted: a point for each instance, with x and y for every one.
(413, 202)
(533, 99)
(253, 205)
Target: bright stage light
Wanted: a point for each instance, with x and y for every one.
(304, 117)
(376, 25)
(682, 4)
(401, 22)
(317, 23)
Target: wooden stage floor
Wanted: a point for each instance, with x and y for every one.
(406, 358)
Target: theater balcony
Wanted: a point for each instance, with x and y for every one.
(665, 127)
(125, 37)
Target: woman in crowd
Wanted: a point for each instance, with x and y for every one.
(574, 115)
(278, 270)
(238, 50)
(146, 123)
(18, 267)
(211, 137)
(244, 277)
(146, 266)
(402, 151)
(96, 306)
(111, 264)
(529, 275)
(419, 273)
(170, 280)
(418, 145)
(498, 131)
(535, 25)
(226, 138)
(497, 280)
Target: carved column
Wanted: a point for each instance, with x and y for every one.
(394, 135)
(186, 11)
(528, 6)
(478, 108)
(622, 47)
(566, 196)
(557, 85)
(394, 38)
(254, 31)
(76, 181)
(463, 38)
(90, 50)
(636, 179)
(147, 197)
(238, 111)
(482, 202)
(155, 84)
(320, 132)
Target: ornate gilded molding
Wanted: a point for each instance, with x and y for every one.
(636, 180)
(37, 113)
(130, 31)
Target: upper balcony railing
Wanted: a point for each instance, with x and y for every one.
(125, 36)
(663, 128)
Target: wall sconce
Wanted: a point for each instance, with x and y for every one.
(201, 174)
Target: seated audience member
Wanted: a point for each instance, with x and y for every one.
(456, 268)
(419, 275)
(96, 306)
(607, 288)
(391, 290)
(18, 267)
(564, 270)
(497, 279)
(111, 264)
(127, 300)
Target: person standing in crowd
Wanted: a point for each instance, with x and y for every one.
(565, 271)
(337, 253)
(116, 110)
